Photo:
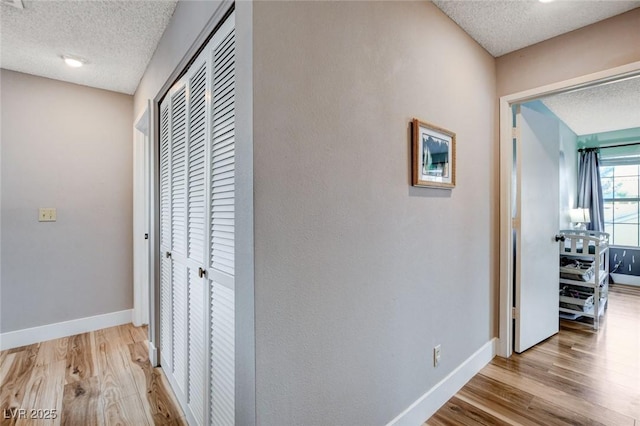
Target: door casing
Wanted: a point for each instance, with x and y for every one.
(141, 219)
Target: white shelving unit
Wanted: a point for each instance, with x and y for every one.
(588, 247)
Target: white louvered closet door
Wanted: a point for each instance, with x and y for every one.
(178, 234)
(222, 282)
(166, 289)
(197, 234)
(184, 291)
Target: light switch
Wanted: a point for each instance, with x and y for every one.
(47, 214)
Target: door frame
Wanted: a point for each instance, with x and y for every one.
(141, 218)
(505, 336)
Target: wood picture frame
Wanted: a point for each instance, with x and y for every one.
(433, 158)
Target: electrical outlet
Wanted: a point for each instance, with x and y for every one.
(47, 214)
(436, 356)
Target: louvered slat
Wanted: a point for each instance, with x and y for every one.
(166, 292)
(166, 298)
(180, 324)
(223, 152)
(165, 184)
(222, 355)
(196, 190)
(197, 346)
(178, 170)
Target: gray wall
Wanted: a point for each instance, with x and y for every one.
(601, 46)
(69, 147)
(358, 275)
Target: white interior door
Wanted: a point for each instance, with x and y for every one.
(536, 285)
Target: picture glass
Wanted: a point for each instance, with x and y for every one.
(435, 156)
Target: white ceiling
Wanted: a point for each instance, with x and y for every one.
(504, 26)
(117, 38)
(613, 106)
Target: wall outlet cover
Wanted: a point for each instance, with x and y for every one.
(47, 214)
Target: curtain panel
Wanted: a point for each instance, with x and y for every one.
(590, 188)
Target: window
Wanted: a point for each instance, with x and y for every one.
(620, 191)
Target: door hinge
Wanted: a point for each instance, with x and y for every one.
(514, 133)
(514, 313)
(515, 223)
(146, 236)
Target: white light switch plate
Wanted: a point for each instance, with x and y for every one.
(47, 214)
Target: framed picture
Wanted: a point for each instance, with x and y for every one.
(433, 156)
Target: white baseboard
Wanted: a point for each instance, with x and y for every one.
(153, 354)
(625, 279)
(437, 396)
(28, 336)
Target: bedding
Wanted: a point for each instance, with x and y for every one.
(576, 269)
(575, 300)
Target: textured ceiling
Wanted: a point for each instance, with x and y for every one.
(613, 106)
(117, 38)
(504, 26)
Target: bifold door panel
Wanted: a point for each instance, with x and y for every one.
(197, 233)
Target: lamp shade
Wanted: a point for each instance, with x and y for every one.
(580, 215)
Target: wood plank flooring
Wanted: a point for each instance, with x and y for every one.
(577, 377)
(100, 378)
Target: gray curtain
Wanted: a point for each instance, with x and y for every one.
(590, 188)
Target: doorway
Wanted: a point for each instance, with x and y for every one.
(141, 219)
(507, 222)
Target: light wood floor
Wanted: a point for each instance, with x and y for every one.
(98, 378)
(577, 377)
